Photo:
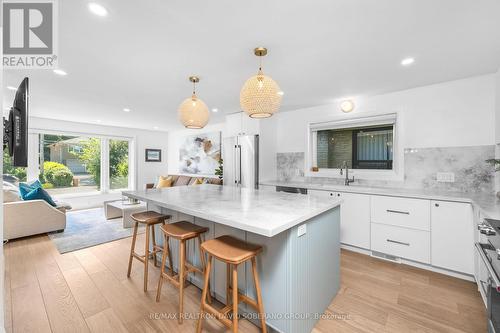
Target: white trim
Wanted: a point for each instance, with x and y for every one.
(386, 119)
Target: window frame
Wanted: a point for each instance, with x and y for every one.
(389, 119)
(33, 170)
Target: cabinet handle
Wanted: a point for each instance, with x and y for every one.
(436, 204)
(397, 242)
(397, 212)
(338, 194)
(331, 194)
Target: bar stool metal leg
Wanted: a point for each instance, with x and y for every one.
(132, 248)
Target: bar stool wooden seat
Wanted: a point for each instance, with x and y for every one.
(150, 219)
(233, 252)
(182, 231)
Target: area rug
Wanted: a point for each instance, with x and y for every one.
(85, 228)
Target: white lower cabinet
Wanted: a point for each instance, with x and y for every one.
(452, 231)
(401, 242)
(437, 233)
(355, 220)
(354, 217)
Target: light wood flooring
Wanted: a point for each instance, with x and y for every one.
(88, 290)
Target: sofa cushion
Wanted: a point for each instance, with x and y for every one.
(182, 181)
(39, 194)
(25, 188)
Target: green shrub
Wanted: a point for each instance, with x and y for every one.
(47, 186)
(57, 174)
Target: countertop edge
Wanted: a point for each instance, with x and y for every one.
(231, 223)
(383, 191)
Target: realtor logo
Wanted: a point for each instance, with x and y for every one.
(29, 34)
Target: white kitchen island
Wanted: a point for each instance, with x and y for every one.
(300, 265)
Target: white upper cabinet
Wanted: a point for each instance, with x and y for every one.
(452, 236)
(241, 124)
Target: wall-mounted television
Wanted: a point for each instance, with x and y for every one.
(15, 128)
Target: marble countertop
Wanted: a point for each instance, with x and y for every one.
(262, 212)
(487, 203)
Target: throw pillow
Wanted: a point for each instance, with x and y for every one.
(198, 181)
(25, 188)
(164, 182)
(40, 194)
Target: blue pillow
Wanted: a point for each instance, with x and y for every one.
(40, 194)
(25, 188)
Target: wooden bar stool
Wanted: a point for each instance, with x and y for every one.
(150, 219)
(233, 252)
(182, 231)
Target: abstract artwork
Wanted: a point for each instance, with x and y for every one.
(200, 154)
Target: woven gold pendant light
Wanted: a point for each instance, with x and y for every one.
(260, 96)
(193, 112)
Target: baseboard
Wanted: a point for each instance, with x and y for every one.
(413, 263)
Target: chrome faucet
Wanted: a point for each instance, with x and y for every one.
(347, 181)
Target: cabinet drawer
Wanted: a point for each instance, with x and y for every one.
(403, 212)
(401, 242)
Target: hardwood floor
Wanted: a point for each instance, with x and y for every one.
(88, 291)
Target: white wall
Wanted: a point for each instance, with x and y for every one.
(145, 172)
(497, 107)
(456, 113)
(175, 139)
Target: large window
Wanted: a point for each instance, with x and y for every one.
(118, 164)
(364, 144)
(70, 164)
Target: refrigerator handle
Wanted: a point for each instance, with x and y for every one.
(239, 164)
(235, 164)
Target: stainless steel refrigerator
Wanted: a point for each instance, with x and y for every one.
(241, 161)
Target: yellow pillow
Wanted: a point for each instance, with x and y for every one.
(164, 182)
(198, 181)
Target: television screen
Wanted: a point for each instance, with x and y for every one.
(16, 127)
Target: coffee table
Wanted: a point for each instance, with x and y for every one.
(119, 208)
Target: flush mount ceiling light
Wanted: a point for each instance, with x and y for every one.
(97, 9)
(260, 96)
(347, 106)
(215, 110)
(60, 72)
(407, 61)
(193, 112)
(126, 110)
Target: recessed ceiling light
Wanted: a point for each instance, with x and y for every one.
(281, 93)
(407, 61)
(126, 109)
(11, 88)
(215, 110)
(60, 72)
(97, 9)
(98, 120)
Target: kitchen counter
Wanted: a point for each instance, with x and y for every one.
(265, 213)
(488, 204)
(299, 234)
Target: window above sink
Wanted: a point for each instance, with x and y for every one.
(367, 145)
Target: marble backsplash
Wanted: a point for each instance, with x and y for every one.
(468, 164)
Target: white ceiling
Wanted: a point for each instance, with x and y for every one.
(141, 55)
